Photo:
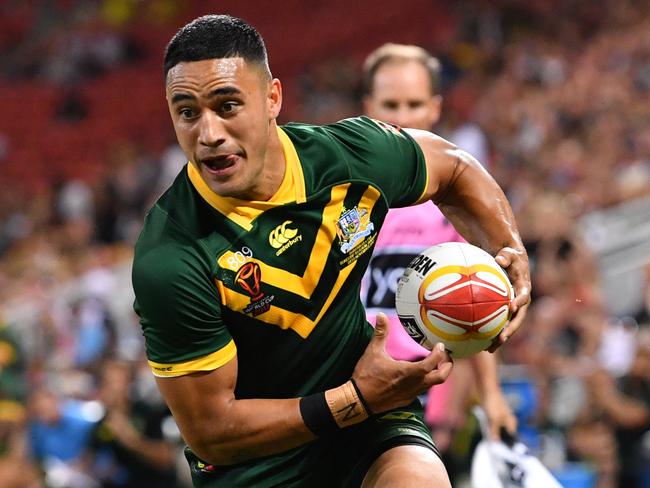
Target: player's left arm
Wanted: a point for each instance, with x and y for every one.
(477, 207)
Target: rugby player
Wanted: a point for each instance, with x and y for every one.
(247, 276)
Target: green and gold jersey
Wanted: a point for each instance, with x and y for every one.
(275, 282)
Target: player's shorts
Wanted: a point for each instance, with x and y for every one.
(341, 460)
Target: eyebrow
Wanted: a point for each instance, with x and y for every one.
(226, 90)
(179, 97)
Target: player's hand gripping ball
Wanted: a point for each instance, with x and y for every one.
(454, 293)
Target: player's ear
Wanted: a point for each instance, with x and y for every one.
(274, 98)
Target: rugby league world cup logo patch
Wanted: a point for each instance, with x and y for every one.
(249, 279)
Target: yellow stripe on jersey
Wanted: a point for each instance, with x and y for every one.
(422, 198)
(285, 319)
(303, 285)
(304, 328)
(243, 212)
(205, 363)
(293, 162)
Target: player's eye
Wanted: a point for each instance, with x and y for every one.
(186, 113)
(390, 105)
(229, 107)
(415, 104)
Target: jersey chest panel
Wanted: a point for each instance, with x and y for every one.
(297, 258)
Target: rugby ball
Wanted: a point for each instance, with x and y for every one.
(454, 293)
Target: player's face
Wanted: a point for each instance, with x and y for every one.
(223, 112)
(401, 95)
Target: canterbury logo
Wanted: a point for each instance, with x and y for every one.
(281, 235)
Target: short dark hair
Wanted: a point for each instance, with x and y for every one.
(214, 37)
(400, 52)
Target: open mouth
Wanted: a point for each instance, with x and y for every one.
(221, 164)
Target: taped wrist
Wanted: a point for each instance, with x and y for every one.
(326, 412)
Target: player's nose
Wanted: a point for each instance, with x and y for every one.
(211, 129)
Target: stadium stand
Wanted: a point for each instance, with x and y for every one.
(560, 91)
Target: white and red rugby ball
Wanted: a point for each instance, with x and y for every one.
(454, 293)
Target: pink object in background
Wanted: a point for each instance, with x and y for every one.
(405, 233)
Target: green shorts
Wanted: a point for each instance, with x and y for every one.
(338, 461)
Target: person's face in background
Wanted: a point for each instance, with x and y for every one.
(401, 94)
(44, 407)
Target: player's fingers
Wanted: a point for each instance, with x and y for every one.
(515, 322)
(441, 372)
(506, 256)
(502, 260)
(521, 298)
(438, 353)
(381, 329)
(438, 356)
(512, 327)
(496, 343)
(515, 262)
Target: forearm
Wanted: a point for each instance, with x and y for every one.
(221, 429)
(227, 431)
(290, 423)
(255, 428)
(477, 207)
(468, 195)
(484, 365)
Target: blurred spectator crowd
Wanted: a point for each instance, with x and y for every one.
(552, 96)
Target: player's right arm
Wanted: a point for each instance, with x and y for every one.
(222, 429)
(194, 358)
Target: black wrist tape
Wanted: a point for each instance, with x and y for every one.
(361, 399)
(317, 415)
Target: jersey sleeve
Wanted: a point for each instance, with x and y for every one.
(179, 310)
(384, 154)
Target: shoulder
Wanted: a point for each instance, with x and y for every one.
(360, 129)
(168, 261)
(444, 160)
(365, 150)
(166, 253)
(356, 139)
(432, 144)
(171, 234)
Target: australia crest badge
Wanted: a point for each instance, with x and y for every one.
(352, 226)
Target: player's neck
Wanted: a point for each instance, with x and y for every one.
(274, 166)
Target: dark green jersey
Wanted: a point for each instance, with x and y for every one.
(276, 282)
